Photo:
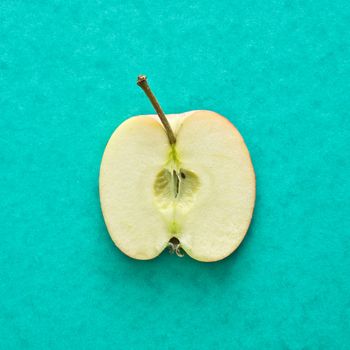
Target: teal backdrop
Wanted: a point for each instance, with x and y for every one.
(279, 70)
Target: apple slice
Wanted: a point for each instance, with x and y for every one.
(197, 192)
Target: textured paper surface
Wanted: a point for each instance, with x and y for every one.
(279, 70)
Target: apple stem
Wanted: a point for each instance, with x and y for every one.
(143, 84)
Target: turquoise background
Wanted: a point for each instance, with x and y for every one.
(279, 70)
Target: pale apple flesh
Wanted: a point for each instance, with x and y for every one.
(201, 190)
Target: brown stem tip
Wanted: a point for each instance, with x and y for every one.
(141, 79)
(143, 84)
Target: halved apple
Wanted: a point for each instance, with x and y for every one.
(197, 193)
